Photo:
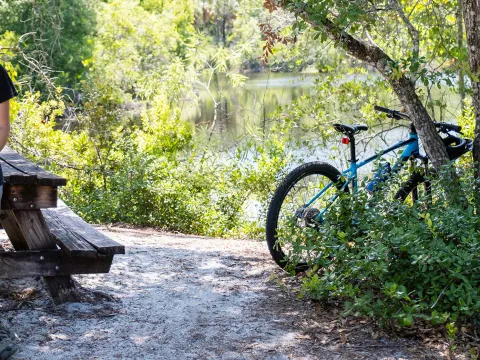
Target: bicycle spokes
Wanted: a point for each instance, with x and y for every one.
(300, 218)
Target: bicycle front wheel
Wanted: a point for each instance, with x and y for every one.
(294, 213)
(409, 191)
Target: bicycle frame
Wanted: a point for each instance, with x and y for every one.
(412, 149)
(351, 174)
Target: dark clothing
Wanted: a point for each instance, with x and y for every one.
(7, 90)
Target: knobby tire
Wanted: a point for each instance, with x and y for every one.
(293, 178)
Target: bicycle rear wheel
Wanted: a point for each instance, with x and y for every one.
(291, 219)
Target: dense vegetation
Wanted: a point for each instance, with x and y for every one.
(100, 88)
(102, 85)
(386, 260)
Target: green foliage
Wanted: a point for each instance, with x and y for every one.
(135, 43)
(58, 36)
(467, 120)
(130, 62)
(150, 172)
(401, 262)
(121, 144)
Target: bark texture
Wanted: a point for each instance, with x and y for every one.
(461, 72)
(471, 16)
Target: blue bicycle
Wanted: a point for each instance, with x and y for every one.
(307, 193)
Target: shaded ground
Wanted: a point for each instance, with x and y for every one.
(178, 297)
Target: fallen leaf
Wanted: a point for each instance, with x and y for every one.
(26, 294)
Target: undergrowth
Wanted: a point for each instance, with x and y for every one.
(401, 263)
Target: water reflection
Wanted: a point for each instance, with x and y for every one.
(240, 108)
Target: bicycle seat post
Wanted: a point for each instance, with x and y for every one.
(353, 157)
(349, 131)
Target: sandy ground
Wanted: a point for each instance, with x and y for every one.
(179, 297)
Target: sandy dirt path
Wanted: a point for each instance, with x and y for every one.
(179, 297)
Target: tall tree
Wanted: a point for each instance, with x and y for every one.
(460, 44)
(399, 54)
(471, 15)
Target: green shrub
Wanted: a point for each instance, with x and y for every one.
(152, 170)
(401, 262)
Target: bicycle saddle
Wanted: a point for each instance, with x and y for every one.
(349, 130)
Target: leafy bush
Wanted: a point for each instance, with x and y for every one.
(401, 262)
(149, 170)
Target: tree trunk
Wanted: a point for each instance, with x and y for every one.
(471, 17)
(432, 142)
(403, 87)
(461, 73)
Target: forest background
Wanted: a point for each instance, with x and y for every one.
(103, 85)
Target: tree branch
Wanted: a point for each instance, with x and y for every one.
(403, 86)
(411, 29)
(369, 53)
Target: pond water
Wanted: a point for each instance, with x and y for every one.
(246, 106)
(242, 108)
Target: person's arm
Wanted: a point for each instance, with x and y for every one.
(4, 123)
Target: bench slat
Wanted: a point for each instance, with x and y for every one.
(29, 172)
(62, 217)
(54, 263)
(73, 244)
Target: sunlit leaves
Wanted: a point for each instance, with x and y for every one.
(409, 262)
(237, 80)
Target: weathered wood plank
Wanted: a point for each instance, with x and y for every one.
(62, 289)
(73, 244)
(62, 217)
(35, 231)
(23, 197)
(49, 263)
(102, 243)
(10, 224)
(18, 170)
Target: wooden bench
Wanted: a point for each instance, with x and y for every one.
(49, 240)
(76, 237)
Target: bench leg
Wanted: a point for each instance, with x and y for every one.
(62, 289)
(27, 229)
(9, 223)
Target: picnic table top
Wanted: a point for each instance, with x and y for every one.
(19, 171)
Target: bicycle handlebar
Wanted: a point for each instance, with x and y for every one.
(394, 114)
(444, 127)
(382, 109)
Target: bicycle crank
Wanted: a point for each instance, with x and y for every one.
(311, 216)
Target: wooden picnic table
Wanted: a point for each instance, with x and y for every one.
(49, 239)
